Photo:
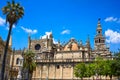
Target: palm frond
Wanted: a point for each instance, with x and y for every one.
(8, 3)
(13, 3)
(13, 12)
(29, 61)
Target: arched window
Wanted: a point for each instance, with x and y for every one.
(17, 61)
(58, 66)
(99, 41)
(98, 32)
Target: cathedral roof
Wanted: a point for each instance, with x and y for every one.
(71, 44)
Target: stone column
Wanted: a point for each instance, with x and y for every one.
(71, 72)
(55, 72)
(41, 71)
(47, 75)
(48, 71)
(61, 72)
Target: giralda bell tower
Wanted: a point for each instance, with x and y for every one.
(99, 40)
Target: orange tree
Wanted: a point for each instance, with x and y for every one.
(80, 70)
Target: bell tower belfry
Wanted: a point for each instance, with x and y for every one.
(99, 40)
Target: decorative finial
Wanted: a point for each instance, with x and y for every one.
(88, 39)
(58, 41)
(80, 42)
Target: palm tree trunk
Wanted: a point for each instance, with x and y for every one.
(28, 74)
(5, 53)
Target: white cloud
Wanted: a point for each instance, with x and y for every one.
(55, 41)
(2, 21)
(29, 30)
(112, 36)
(111, 19)
(48, 34)
(65, 31)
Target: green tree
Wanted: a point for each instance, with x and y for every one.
(116, 68)
(107, 68)
(29, 63)
(80, 70)
(116, 64)
(98, 66)
(89, 70)
(13, 12)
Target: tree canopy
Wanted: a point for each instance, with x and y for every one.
(99, 67)
(29, 63)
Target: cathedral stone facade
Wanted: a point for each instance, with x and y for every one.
(7, 65)
(57, 61)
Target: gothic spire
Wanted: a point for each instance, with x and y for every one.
(88, 41)
(29, 41)
(99, 25)
(50, 36)
(99, 28)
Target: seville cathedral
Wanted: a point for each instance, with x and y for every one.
(57, 61)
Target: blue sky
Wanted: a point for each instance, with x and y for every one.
(66, 19)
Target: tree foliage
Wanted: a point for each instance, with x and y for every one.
(29, 63)
(116, 64)
(13, 12)
(90, 70)
(80, 70)
(99, 67)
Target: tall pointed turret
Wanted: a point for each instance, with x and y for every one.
(99, 38)
(99, 28)
(100, 48)
(88, 42)
(58, 45)
(10, 42)
(29, 41)
(50, 41)
(47, 41)
(88, 46)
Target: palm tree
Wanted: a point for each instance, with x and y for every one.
(13, 12)
(29, 63)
